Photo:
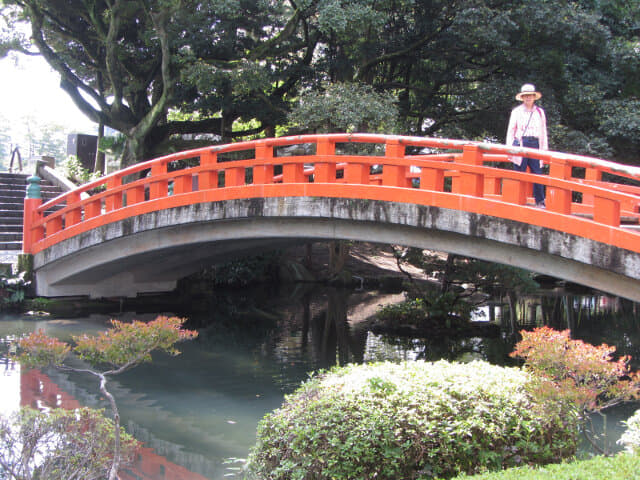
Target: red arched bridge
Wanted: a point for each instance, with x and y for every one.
(142, 228)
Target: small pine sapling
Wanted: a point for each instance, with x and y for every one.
(112, 352)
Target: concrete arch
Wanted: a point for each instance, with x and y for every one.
(150, 252)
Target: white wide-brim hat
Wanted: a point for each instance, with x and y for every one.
(528, 89)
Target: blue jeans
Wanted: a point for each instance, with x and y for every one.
(534, 166)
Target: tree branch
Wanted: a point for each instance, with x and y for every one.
(111, 44)
(399, 256)
(403, 52)
(288, 30)
(115, 464)
(69, 81)
(159, 107)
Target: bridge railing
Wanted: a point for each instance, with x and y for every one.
(588, 197)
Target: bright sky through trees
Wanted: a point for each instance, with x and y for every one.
(29, 88)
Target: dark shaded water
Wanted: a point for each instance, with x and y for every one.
(198, 412)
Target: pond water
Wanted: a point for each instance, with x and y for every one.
(197, 413)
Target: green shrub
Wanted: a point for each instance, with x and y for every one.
(59, 444)
(620, 467)
(411, 312)
(407, 421)
(12, 291)
(246, 271)
(631, 437)
(432, 309)
(74, 171)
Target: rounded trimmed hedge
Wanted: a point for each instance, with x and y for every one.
(409, 420)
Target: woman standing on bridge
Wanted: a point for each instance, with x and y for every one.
(528, 128)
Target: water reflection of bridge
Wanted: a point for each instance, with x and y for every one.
(37, 390)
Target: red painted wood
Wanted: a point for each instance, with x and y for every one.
(457, 174)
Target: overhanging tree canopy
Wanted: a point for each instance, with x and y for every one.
(128, 63)
(154, 69)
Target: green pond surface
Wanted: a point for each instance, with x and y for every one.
(198, 412)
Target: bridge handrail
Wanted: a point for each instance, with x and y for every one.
(603, 166)
(473, 169)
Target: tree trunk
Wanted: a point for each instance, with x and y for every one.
(513, 312)
(447, 273)
(99, 165)
(115, 464)
(135, 150)
(307, 261)
(337, 315)
(136, 147)
(338, 252)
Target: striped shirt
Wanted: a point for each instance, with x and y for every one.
(534, 121)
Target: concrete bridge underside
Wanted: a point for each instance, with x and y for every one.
(149, 253)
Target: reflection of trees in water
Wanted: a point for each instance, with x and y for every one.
(233, 305)
(302, 329)
(593, 318)
(493, 350)
(331, 339)
(307, 327)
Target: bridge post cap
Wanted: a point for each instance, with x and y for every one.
(33, 187)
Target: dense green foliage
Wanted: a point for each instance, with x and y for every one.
(409, 420)
(244, 271)
(620, 467)
(59, 445)
(74, 171)
(12, 291)
(156, 70)
(426, 310)
(410, 312)
(464, 284)
(345, 107)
